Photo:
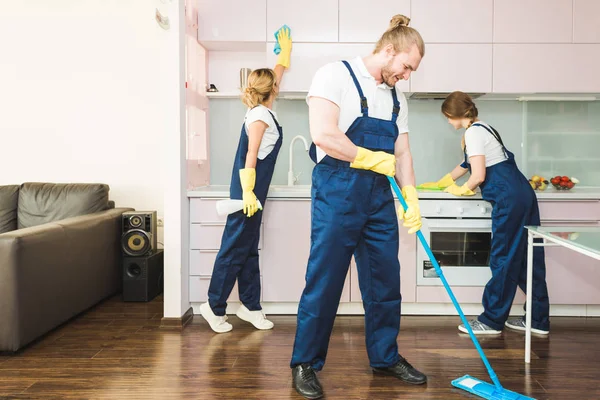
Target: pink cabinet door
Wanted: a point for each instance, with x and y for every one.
(441, 21)
(533, 21)
(310, 20)
(444, 69)
(586, 21)
(408, 269)
(358, 26)
(526, 68)
(572, 278)
(232, 20)
(569, 211)
(307, 58)
(286, 240)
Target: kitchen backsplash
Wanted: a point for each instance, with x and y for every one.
(547, 138)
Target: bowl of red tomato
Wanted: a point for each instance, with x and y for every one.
(564, 182)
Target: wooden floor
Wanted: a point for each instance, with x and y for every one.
(118, 351)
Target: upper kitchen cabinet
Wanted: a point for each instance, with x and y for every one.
(453, 21)
(533, 21)
(546, 68)
(358, 25)
(307, 58)
(586, 21)
(237, 25)
(310, 20)
(450, 67)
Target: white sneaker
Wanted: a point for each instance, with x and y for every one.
(217, 323)
(256, 318)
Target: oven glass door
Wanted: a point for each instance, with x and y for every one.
(462, 249)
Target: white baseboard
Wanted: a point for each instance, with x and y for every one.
(558, 310)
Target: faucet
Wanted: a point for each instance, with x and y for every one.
(291, 178)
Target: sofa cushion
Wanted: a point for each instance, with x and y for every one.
(9, 196)
(40, 203)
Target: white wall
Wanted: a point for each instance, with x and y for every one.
(90, 91)
(82, 96)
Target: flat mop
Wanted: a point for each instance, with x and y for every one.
(472, 385)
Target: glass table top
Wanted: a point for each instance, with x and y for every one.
(583, 237)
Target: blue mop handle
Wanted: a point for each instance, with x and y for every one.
(445, 282)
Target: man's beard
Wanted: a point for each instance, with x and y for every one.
(387, 76)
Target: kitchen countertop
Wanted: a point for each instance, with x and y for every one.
(303, 192)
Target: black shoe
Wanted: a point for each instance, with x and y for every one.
(305, 382)
(403, 371)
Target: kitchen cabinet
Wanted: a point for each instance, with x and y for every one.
(572, 278)
(358, 26)
(533, 21)
(407, 255)
(224, 67)
(453, 21)
(450, 67)
(310, 20)
(287, 247)
(307, 58)
(586, 21)
(206, 230)
(233, 21)
(543, 68)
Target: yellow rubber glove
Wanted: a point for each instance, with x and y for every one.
(441, 184)
(412, 216)
(377, 161)
(248, 180)
(285, 42)
(459, 190)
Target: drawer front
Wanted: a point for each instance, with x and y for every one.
(580, 210)
(208, 236)
(205, 210)
(202, 261)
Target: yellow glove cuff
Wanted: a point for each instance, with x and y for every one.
(380, 162)
(362, 155)
(445, 181)
(247, 179)
(284, 59)
(409, 193)
(465, 191)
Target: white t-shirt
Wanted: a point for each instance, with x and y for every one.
(480, 142)
(261, 113)
(334, 83)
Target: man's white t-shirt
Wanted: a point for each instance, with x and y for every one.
(261, 113)
(333, 82)
(480, 142)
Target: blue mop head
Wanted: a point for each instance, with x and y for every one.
(486, 390)
(277, 48)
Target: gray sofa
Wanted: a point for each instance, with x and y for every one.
(59, 255)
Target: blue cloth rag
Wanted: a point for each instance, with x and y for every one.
(277, 48)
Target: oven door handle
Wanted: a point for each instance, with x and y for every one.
(458, 225)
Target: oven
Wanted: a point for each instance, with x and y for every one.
(459, 233)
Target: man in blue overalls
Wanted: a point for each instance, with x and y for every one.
(358, 122)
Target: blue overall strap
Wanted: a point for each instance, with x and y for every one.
(396, 109)
(495, 134)
(364, 107)
(274, 119)
(465, 163)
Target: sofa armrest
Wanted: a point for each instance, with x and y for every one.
(9, 304)
(52, 272)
